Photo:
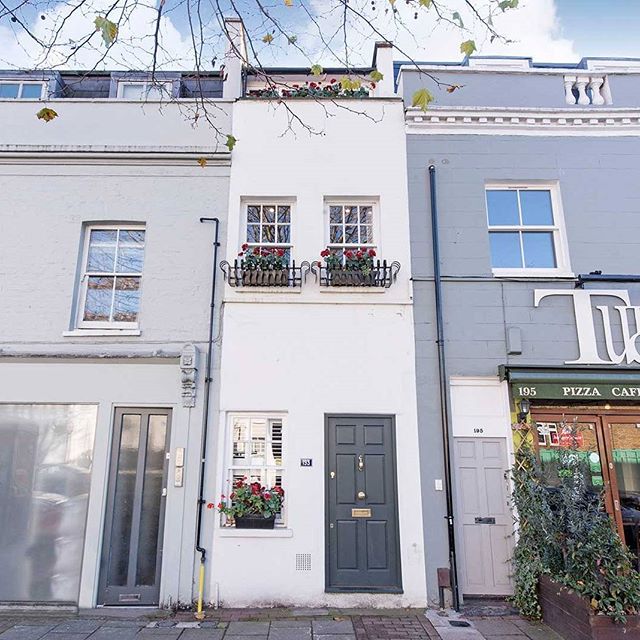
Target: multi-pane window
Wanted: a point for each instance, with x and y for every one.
(350, 226)
(524, 230)
(256, 452)
(142, 90)
(21, 90)
(112, 275)
(269, 226)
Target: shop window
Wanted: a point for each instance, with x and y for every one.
(257, 453)
(526, 231)
(112, 277)
(46, 453)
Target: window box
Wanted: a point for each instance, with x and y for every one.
(239, 274)
(254, 522)
(382, 275)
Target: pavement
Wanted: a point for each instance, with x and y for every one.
(266, 624)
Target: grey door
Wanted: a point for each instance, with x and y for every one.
(132, 545)
(485, 525)
(362, 517)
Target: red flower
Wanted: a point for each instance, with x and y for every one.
(267, 496)
(278, 490)
(373, 85)
(372, 253)
(220, 505)
(349, 254)
(325, 253)
(280, 253)
(313, 85)
(232, 496)
(256, 252)
(359, 254)
(210, 505)
(241, 254)
(255, 488)
(332, 81)
(245, 246)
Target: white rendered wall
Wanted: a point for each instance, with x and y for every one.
(314, 352)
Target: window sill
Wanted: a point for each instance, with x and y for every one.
(532, 273)
(89, 333)
(232, 532)
(262, 290)
(353, 290)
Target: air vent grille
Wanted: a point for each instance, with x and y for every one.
(303, 562)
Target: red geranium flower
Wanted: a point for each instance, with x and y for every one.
(256, 252)
(349, 254)
(245, 246)
(313, 85)
(332, 80)
(372, 253)
(280, 252)
(255, 488)
(325, 253)
(267, 496)
(210, 505)
(359, 254)
(373, 85)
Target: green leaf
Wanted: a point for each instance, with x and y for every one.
(231, 142)
(425, 3)
(456, 17)
(468, 47)
(317, 70)
(268, 38)
(508, 4)
(108, 29)
(422, 98)
(376, 76)
(350, 84)
(46, 114)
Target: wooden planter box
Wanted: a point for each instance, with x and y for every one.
(570, 615)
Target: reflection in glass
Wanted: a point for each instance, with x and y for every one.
(151, 501)
(31, 91)
(9, 90)
(539, 251)
(335, 215)
(123, 500)
(626, 460)
(536, 207)
(99, 297)
(505, 250)
(126, 300)
(502, 207)
(45, 468)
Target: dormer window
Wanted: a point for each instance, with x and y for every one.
(144, 90)
(19, 90)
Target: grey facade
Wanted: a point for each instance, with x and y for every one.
(490, 321)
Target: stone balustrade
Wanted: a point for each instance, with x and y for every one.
(587, 90)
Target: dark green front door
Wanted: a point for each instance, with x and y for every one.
(362, 515)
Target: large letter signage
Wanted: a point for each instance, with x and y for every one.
(586, 330)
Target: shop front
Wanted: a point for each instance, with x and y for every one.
(596, 412)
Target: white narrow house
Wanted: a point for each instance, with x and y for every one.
(318, 367)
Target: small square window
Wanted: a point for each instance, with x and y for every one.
(350, 225)
(19, 90)
(526, 235)
(269, 226)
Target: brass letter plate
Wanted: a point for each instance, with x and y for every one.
(360, 513)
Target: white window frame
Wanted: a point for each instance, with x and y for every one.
(561, 248)
(275, 202)
(229, 467)
(84, 279)
(360, 202)
(165, 87)
(43, 93)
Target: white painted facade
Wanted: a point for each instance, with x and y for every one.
(315, 351)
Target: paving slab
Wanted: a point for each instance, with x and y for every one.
(162, 633)
(76, 626)
(67, 636)
(295, 633)
(290, 624)
(26, 632)
(332, 627)
(202, 634)
(248, 628)
(115, 633)
(492, 627)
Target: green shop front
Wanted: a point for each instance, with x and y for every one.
(601, 408)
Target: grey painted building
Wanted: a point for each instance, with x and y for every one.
(536, 183)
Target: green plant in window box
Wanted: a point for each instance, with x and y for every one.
(250, 505)
(356, 268)
(263, 266)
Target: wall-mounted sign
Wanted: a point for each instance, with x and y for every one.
(306, 462)
(627, 352)
(576, 391)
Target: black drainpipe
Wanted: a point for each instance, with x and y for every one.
(205, 419)
(444, 392)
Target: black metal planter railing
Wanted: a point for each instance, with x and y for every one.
(382, 275)
(239, 274)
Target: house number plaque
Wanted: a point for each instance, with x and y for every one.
(360, 513)
(306, 462)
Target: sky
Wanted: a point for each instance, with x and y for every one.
(546, 30)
